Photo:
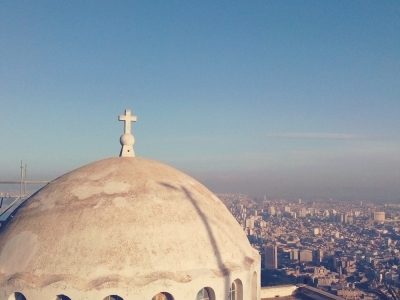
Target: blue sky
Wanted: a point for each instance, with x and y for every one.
(280, 98)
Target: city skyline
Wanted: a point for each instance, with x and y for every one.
(345, 248)
(284, 99)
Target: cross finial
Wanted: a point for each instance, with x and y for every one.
(127, 140)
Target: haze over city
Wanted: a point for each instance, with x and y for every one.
(276, 98)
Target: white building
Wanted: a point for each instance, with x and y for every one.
(271, 210)
(303, 213)
(306, 255)
(379, 216)
(126, 228)
(250, 223)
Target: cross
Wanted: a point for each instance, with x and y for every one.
(127, 139)
(127, 118)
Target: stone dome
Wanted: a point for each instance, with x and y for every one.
(123, 225)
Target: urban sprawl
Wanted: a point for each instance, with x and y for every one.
(345, 248)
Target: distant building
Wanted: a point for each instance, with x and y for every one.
(392, 276)
(306, 255)
(318, 255)
(271, 257)
(271, 210)
(303, 213)
(294, 254)
(250, 223)
(344, 218)
(379, 216)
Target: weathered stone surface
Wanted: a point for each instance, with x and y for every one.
(122, 224)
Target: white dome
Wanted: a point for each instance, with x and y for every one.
(123, 225)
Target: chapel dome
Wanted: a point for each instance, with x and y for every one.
(122, 222)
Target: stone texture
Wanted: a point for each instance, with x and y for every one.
(128, 225)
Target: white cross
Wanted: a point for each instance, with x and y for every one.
(127, 118)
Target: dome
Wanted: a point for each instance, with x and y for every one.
(124, 226)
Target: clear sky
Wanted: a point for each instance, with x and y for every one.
(279, 98)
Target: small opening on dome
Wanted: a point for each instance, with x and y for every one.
(206, 293)
(17, 296)
(62, 297)
(163, 296)
(236, 290)
(113, 297)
